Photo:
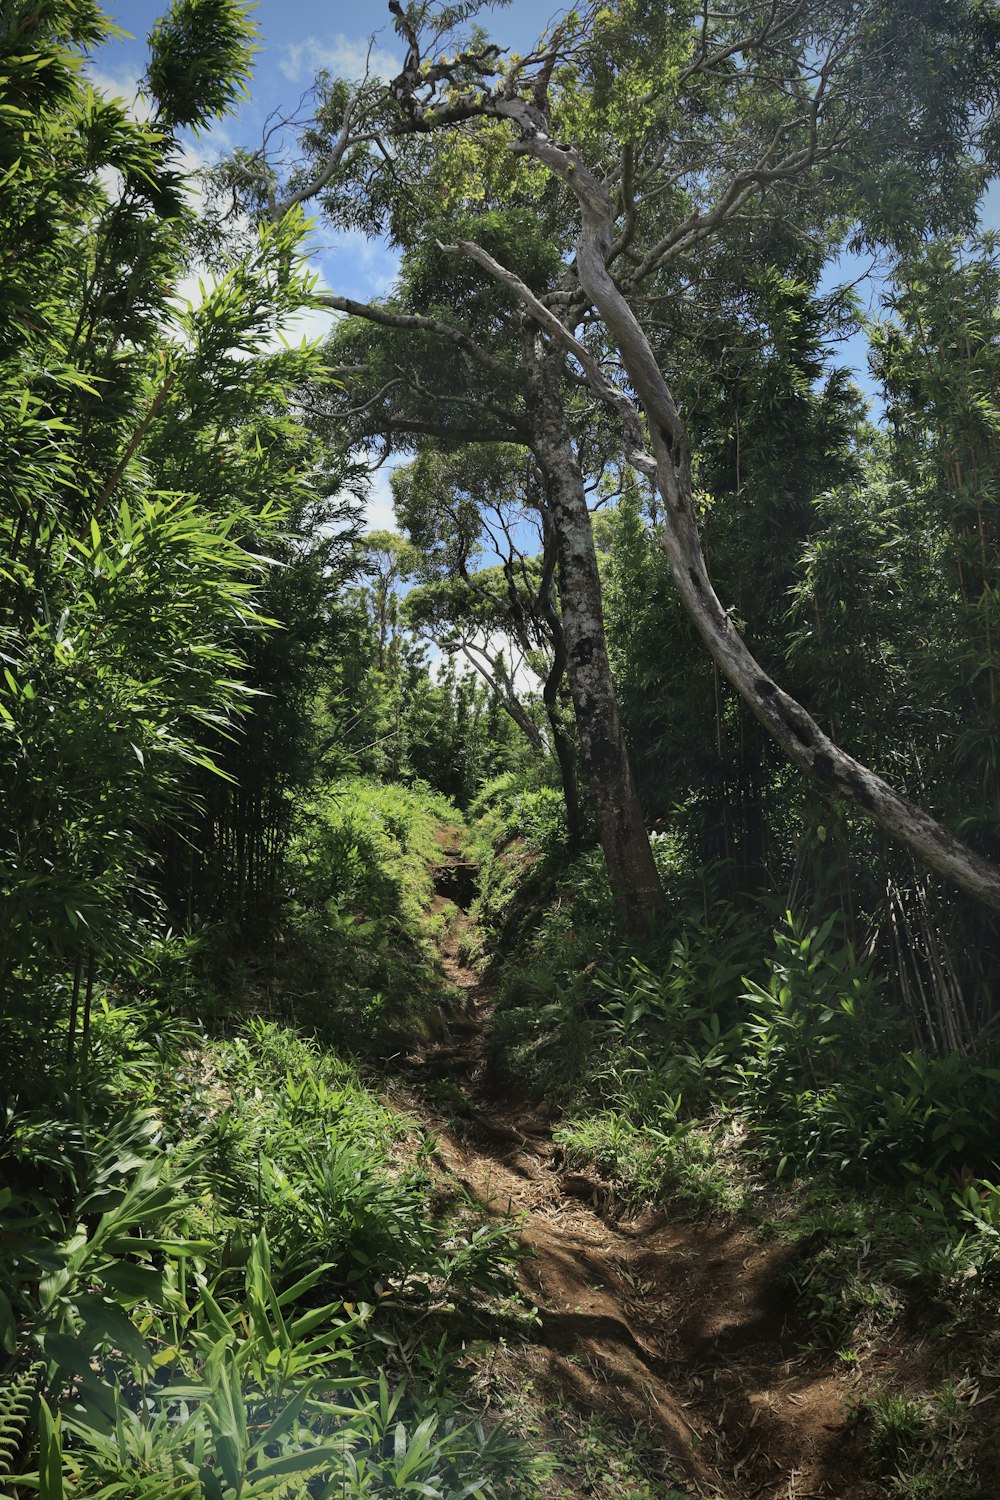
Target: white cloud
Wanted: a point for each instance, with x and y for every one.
(379, 514)
(526, 681)
(362, 268)
(310, 323)
(124, 86)
(343, 56)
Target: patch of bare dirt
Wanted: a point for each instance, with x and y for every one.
(682, 1328)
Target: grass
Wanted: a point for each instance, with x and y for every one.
(917, 1443)
(583, 1453)
(650, 1164)
(255, 1219)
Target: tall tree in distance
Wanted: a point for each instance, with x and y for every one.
(479, 516)
(443, 361)
(938, 358)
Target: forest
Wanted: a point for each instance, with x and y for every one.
(507, 1005)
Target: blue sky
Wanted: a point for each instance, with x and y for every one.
(298, 37)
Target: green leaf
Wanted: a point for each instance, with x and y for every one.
(133, 1283)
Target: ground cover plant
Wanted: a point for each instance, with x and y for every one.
(761, 1073)
(208, 1264)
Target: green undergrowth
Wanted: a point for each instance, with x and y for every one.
(227, 1272)
(752, 1064)
(918, 1443)
(594, 1457)
(580, 1452)
(518, 840)
(357, 957)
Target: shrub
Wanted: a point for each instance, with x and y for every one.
(200, 1297)
(357, 960)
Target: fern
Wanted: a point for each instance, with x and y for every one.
(16, 1395)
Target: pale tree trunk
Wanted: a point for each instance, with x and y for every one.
(502, 688)
(805, 744)
(635, 884)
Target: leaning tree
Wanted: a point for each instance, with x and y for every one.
(614, 152)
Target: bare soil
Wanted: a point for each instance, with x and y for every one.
(681, 1329)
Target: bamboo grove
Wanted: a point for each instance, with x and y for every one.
(161, 507)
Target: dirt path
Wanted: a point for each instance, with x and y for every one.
(681, 1328)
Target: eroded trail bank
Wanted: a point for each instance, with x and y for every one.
(679, 1330)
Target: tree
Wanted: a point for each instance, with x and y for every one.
(505, 388)
(773, 430)
(684, 121)
(938, 359)
(487, 502)
(389, 560)
(773, 102)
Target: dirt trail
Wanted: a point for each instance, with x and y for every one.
(682, 1328)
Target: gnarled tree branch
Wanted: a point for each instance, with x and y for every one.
(805, 744)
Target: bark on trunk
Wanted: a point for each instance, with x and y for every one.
(562, 743)
(565, 753)
(621, 830)
(837, 773)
